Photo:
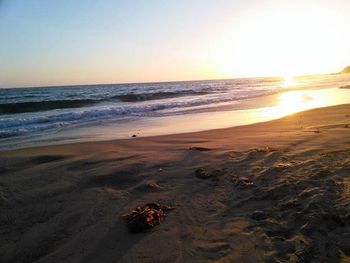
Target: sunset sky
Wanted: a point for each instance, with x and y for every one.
(51, 42)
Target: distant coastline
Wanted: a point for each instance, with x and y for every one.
(346, 70)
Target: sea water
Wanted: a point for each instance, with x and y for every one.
(27, 113)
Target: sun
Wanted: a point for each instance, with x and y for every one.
(292, 37)
(289, 81)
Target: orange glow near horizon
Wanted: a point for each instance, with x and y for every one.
(129, 42)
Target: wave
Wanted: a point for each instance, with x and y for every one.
(34, 106)
(46, 105)
(156, 96)
(55, 109)
(14, 126)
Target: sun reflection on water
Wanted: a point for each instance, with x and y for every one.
(294, 101)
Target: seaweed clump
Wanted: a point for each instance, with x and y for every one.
(146, 217)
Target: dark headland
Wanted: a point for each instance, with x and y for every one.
(346, 70)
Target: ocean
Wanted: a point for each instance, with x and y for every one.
(42, 111)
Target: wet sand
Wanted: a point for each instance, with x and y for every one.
(277, 191)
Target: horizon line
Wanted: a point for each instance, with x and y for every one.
(166, 81)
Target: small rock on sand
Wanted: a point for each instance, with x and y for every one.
(202, 173)
(153, 185)
(258, 215)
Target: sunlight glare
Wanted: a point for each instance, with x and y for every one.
(289, 81)
(276, 43)
(295, 101)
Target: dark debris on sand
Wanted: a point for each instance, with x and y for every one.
(201, 149)
(146, 217)
(242, 182)
(202, 173)
(265, 149)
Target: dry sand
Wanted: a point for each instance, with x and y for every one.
(278, 192)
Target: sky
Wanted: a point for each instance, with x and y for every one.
(65, 42)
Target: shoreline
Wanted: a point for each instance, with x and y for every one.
(208, 119)
(204, 133)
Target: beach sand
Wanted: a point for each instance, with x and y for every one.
(277, 191)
